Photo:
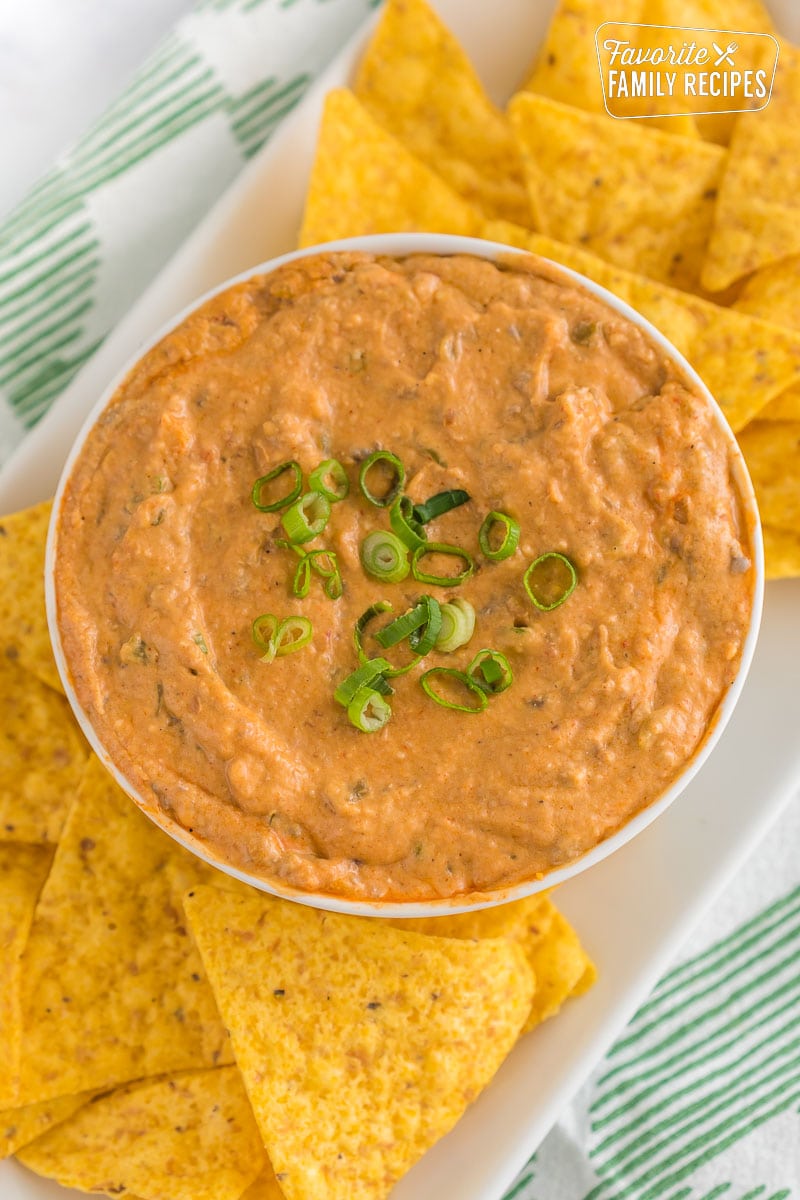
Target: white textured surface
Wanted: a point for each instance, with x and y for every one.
(61, 63)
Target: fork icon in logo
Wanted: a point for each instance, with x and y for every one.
(725, 55)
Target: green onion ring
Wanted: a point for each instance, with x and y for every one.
(330, 468)
(307, 518)
(384, 556)
(469, 684)
(491, 671)
(405, 524)
(283, 637)
(423, 639)
(330, 573)
(302, 578)
(381, 606)
(369, 674)
(368, 710)
(510, 537)
(458, 625)
(402, 627)
(290, 497)
(441, 580)
(441, 503)
(530, 583)
(382, 456)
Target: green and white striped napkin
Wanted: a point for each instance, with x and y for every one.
(699, 1097)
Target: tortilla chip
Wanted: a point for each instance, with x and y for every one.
(560, 964)
(772, 452)
(112, 986)
(266, 1187)
(23, 870)
(419, 84)
(636, 197)
(42, 759)
(365, 181)
(757, 218)
(18, 1126)
(781, 552)
(785, 407)
(188, 1137)
(566, 67)
(744, 362)
(773, 293)
(23, 621)
(360, 1044)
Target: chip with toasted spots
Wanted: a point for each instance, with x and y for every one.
(186, 1137)
(112, 987)
(360, 1044)
(23, 870)
(757, 217)
(634, 196)
(365, 181)
(18, 1126)
(772, 452)
(42, 760)
(773, 293)
(417, 82)
(23, 621)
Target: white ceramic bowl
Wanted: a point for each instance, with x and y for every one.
(401, 244)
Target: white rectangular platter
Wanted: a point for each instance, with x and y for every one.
(633, 910)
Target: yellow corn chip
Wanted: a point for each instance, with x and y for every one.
(781, 552)
(360, 1045)
(559, 962)
(188, 1137)
(785, 407)
(23, 870)
(772, 452)
(42, 759)
(745, 362)
(419, 84)
(365, 181)
(757, 218)
(112, 986)
(23, 622)
(634, 196)
(266, 1187)
(773, 293)
(18, 1126)
(566, 67)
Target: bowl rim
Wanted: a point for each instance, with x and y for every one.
(401, 245)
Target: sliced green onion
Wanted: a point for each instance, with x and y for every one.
(330, 470)
(369, 674)
(200, 641)
(384, 556)
(302, 578)
(402, 627)
(374, 610)
(396, 485)
(510, 537)
(426, 681)
(275, 473)
(441, 580)
(325, 563)
(423, 639)
(458, 625)
(307, 518)
(545, 592)
(278, 638)
(405, 524)
(293, 633)
(368, 710)
(491, 671)
(440, 504)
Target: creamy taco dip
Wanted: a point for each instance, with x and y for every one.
(613, 586)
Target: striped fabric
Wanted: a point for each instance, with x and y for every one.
(81, 247)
